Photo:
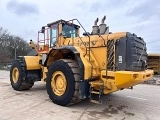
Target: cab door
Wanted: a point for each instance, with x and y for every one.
(53, 35)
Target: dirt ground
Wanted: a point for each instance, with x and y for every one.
(141, 103)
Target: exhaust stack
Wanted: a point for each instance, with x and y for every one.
(103, 19)
(95, 28)
(95, 22)
(103, 28)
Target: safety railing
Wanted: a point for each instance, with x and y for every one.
(43, 43)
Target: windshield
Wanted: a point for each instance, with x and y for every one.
(69, 31)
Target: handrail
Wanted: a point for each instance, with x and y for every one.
(80, 37)
(44, 41)
(87, 48)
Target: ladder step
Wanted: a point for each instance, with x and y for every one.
(95, 83)
(95, 92)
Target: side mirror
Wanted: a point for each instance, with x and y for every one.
(43, 30)
(31, 44)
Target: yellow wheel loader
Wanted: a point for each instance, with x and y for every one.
(76, 67)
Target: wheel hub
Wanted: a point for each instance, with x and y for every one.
(15, 75)
(58, 83)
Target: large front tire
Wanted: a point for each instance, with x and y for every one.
(17, 77)
(63, 82)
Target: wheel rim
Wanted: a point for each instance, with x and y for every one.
(58, 83)
(15, 75)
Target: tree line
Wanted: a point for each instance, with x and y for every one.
(11, 46)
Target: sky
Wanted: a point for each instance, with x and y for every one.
(142, 17)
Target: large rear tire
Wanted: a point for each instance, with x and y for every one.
(17, 77)
(63, 82)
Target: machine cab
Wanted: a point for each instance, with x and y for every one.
(55, 33)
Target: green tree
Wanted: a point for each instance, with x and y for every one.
(9, 44)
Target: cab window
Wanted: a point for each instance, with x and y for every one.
(53, 34)
(69, 31)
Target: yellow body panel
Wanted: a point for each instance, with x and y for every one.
(95, 40)
(87, 66)
(32, 62)
(123, 79)
(130, 78)
(100, 55)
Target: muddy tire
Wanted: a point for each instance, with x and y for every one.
(63, 82)
(17, 76)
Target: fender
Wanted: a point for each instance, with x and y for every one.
(32, 62)
(77, 56)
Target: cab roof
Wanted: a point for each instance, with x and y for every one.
(61, 21)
